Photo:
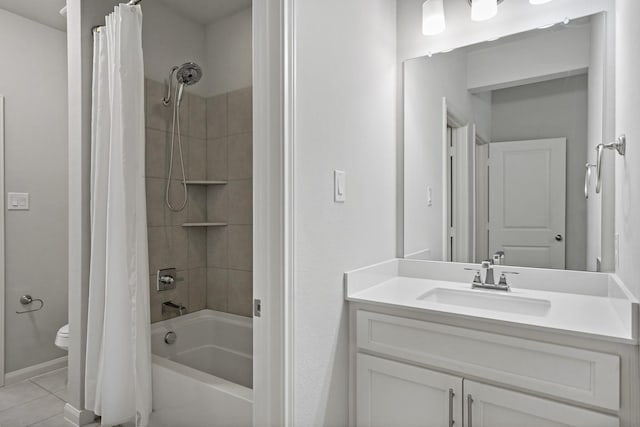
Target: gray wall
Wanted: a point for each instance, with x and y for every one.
(36, 163)
(556, 108)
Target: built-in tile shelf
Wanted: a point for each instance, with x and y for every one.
(204, 224)
(193, 182)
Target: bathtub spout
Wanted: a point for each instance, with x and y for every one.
(169, 307)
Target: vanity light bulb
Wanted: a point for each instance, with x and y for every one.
(539, 1)
(481, 10)
(433, 17)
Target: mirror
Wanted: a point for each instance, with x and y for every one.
(499, 139)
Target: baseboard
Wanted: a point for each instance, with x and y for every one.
(78, 417)
(32, 371)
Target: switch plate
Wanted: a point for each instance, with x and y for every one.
(339, 186)
(18, 201)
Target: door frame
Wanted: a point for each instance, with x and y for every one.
(2, 242)
(462, 135)
(273, 184)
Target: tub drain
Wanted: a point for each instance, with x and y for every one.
(170, 337)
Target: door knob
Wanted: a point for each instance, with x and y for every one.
(559, 237)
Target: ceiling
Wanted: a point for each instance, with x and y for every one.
(43, 11)
(202, 11)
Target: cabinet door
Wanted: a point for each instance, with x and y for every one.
(395, 394)
(488, 406)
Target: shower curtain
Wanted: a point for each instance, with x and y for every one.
(118, 357)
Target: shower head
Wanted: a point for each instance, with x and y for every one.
(189, 73)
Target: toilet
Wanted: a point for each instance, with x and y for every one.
(62, 338)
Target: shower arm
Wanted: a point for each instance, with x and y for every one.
(167, 99)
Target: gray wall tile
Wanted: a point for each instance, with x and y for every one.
(240, 247)
(217, 280)
(217, 159)
(239, 104)
(240, 201)
(197, 117)
(157, 143)
(240, 156)
(218, 203)
(217, 116)
(197, 255)
(240, 292)
(197, 149)
(217, 247)
(197, 289)
(197, 204)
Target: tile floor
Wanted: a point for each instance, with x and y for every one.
(37, 402)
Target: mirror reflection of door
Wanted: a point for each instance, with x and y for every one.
(527, 202)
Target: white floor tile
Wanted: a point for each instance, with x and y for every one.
(52, 381)
(62, 394)
(56, 421)
(32, 412)
(18, 394)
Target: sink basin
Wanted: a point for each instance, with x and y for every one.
(488, 300)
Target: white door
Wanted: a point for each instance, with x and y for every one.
(487, 406)
(395, 394)
(527, 194)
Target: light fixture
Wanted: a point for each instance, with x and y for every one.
(481, 10)
(539, 1)
(433, 17)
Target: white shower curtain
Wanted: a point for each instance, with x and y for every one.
(118, 358)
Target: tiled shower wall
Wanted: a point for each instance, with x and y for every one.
(230, 249)
(214, 264)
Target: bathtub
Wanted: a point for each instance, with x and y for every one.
(205, 378)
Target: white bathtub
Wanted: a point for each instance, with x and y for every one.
(205, 378)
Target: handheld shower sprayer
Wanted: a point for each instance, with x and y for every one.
(187, 74)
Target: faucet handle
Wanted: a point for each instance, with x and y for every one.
(503, 277)
(477, 279)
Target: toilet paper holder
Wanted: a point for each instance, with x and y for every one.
(28, 299)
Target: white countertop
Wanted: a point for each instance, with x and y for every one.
(602, 311)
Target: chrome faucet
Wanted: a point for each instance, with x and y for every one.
(484, 278)
(169, 307)
(487, 270)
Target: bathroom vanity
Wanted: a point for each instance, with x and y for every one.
(558, 348)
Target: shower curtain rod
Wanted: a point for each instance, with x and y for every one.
(129, 3)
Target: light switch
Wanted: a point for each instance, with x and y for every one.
(429, 196)
(18, 202)
(339, 186)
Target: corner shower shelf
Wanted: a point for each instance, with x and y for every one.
(204, 224)
(204, 182)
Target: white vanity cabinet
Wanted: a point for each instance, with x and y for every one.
(488, 406)
(397, 394)
(398, 383)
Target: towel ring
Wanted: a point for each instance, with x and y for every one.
(28, 299)
(620, 145)
(587, 179)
